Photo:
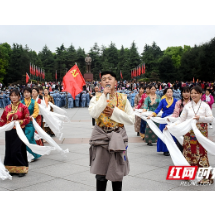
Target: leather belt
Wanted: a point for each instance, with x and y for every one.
(110, 129)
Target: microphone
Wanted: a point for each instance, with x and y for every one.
(108, 95)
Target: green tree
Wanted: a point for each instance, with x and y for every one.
(18, 64)
(71, 57)
(166, 69)
(47, 62)
(81, 59)
(96, 65)
(5, 51)
(134, 57)
(124, 63)
(61, 54)
(150, 56)
(175, 54)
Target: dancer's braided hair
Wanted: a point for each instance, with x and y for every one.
(183, 90)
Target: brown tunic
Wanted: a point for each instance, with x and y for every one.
(108, 154)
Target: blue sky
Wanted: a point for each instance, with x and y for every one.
(36, 36)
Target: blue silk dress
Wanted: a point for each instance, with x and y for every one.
(161, 146)
(29, 129)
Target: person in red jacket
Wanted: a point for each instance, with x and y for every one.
(203, 85)
(15, 160)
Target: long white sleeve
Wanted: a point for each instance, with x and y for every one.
(182, 118)
(208, 118)
(201, 109)
(127, 117)
(96, 107)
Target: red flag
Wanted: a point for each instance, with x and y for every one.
(100, 75)
(144, 69)
(193, 80)
(139, 70)
(56, 75)
(27, 77)
(30, 68)
(135, 72)
(73, 81)
(160, 88)
(36, 71)
(131, 74)
(121, 74)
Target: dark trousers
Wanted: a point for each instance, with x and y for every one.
(93, 121)
(101, 184)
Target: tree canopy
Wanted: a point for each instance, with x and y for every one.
(174, 63)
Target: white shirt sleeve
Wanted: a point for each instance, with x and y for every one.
(208, 118)
(127, 117)
(96, 107)
(182, 117)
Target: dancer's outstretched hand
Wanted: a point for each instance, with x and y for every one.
(196, 117)
(149, 116)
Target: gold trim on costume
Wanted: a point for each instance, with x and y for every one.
(27, 104)
(17, 169)
(154, 114)
(169, 103)
(14, 109)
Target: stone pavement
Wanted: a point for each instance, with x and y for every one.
(53, 172)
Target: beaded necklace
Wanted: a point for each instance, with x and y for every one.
(198, 108)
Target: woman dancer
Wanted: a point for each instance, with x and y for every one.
(151, 103)
(35, 93)
(136, 102)
(47, 98)
(141, 102)
(167, 104)
(34, 111)
(209, 99)
(15, 161)
(179, 106)
(193, 151)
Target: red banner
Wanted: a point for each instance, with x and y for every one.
(73, 81)
(121, 74)
(27, 77)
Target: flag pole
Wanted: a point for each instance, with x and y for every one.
(30, 69)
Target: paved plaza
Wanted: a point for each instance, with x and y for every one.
(148, 169)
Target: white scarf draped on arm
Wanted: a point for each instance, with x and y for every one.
(42, 150)
(178, 131)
